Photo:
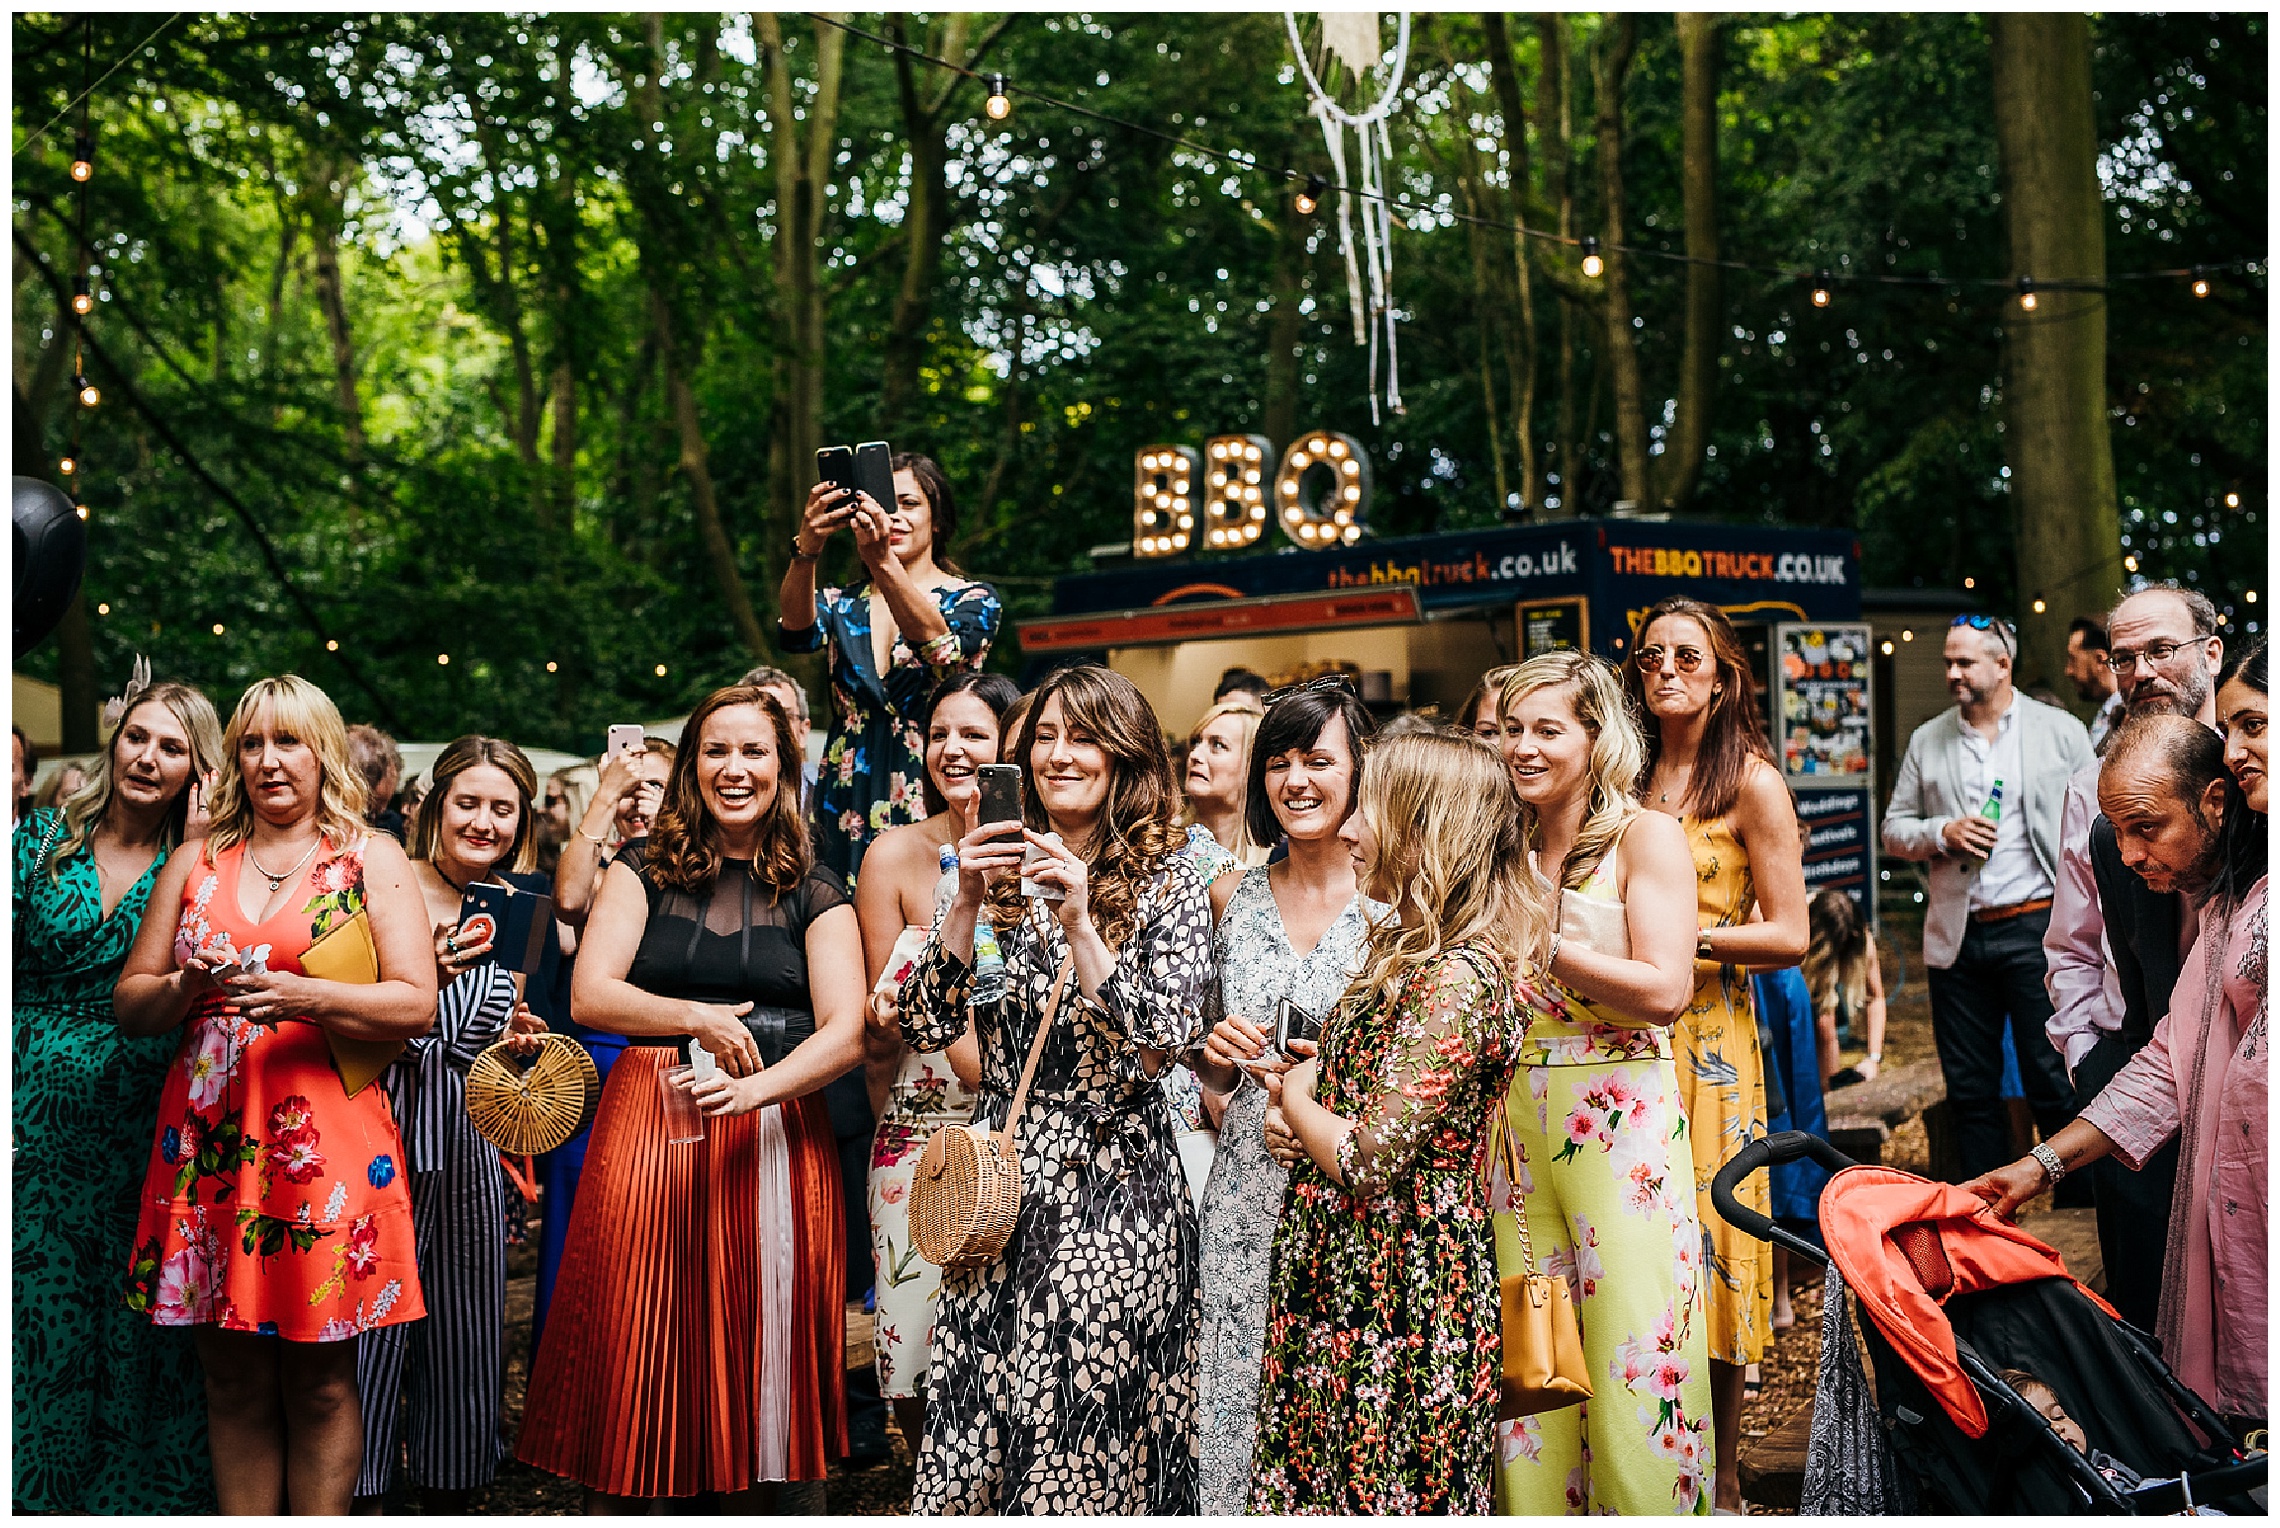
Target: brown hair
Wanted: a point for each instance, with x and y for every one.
(460, 755)
(1836, 960)
(1731, 735)
(1135, 831)
(1491, 685)
(684, 841)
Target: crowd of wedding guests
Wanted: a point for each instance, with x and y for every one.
(1252, 1270)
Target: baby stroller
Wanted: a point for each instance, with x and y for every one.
(1949, 1296)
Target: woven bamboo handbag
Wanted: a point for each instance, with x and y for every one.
(966, 1194)
(525, 1108)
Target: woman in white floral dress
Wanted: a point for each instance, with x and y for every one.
(1607, 1178)
(1291, 931)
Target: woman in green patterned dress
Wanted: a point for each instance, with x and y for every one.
(110, 1411)
(1378, 1390)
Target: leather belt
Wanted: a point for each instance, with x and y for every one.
(2015, 910)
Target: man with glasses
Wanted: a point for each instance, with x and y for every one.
(2114, 945)
(1990, 881)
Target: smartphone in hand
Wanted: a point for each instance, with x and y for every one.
(1294, 1023)
(624, 737)
(875, 473)
(1000, 786)
(836, 465)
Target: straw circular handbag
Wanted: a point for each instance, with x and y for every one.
(525, 1108)
(966, 1194)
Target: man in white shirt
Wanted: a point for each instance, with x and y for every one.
(1990, 881)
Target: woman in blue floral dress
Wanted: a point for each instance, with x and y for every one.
(905, 625)
(110, 1412)
(1378, 1391)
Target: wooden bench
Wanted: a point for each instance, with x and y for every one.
(1863, 1115)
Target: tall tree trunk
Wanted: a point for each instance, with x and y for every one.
(696, 466)
(1618, 35)
(1554, 105)
(1490, 307)
(564, 493)
(802, 170)
(324, 199)
(1286, 326)
(75, 678)
(1517, 324)
(1680, 469)
(2054, 359)
(926, 222)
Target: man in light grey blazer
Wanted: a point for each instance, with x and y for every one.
(1991, 881)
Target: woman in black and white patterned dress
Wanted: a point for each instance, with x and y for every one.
(1063, 1373)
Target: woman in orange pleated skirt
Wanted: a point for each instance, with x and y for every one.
(697, 1335)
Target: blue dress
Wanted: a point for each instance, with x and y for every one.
(874, 762)
(1786, 1010)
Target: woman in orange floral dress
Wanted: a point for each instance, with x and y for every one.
(275, 1220)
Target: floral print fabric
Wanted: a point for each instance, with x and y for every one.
(926, 1096)
(874, 762)
(1063, 1373)
(1721, 1081)
(272, 1202)
(110, 1412)
(1383, 1340)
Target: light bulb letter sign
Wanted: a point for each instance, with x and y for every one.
(1322, 492)
(1235, 489)
(1164, 483)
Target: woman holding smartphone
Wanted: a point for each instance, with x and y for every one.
(906, 623)
(697, 1341)
(1289, 933)
(275, 1219)
(1607, 1182)
(109, 1414)
(474, 824)
(1063, 1372)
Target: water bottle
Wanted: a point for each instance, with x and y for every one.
(989, 962)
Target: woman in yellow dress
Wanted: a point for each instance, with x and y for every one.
(1708, 765)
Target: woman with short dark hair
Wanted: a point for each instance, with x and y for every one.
(908, 621)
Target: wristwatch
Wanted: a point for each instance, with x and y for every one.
(2052, 1167)
(1702, 948)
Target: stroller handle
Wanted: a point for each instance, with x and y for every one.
(1771, 1151)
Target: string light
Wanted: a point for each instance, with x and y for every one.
(1971, 583)
(999, 105)
(1907, 633)
(1311, 198)
(89, 394)
(2250, 596)
(1887, 647)
(443, 659)
(2232, 501)
(219, 628)
(2027, 293)
(2200, 283)
(82, 301)
(79, 509)
(661, 671)
(1821, 290)
(102, 609)
(332, 644)
(83, 158)
(1592, 264)
(550, 668)
(68, 465)
(2129, 563)
(2040, 607)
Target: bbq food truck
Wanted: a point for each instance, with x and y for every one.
(1418, 619)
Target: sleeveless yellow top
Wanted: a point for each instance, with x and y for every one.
(1571, 1029)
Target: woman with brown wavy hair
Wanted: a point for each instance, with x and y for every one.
(686, 1351)
(1709, 765)
(1063, 1374)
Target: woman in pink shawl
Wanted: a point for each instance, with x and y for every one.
(2189, 815)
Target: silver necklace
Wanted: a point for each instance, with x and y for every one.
(275, 881)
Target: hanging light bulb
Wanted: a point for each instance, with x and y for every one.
(68, 465)
(332, 644)
(1309, 199)
(82, 300)
(1592, 264)
(2232, 501)
(89, 394)
(2200, 282)
(2130, 562)
(999, 106)
(1821, 282)
(102, 609)
(2027, 293)
(2040, 605)
(79, 509)
(83, 158)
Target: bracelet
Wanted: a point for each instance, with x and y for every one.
(2052, 1167)
(1702, 949)
(1875, 1056)
(597, 839)
(800, 556)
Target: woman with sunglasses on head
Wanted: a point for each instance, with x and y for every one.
(1290, 933)
(1379, 1385)
(474, 826)
(697, 1339)
(916, 1092)
(109, 1412)
(1064, 1371)
(908, 621)
(275, 1218)
(1607, 1181)
(1709, 766)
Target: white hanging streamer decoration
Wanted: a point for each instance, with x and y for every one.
(1374, 322)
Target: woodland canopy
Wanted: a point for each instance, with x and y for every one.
(511, 337)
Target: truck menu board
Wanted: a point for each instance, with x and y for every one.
(1548, 626)
(1823, 673)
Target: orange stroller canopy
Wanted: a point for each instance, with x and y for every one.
(1905, 1245)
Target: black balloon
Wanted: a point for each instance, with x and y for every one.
(51, 553)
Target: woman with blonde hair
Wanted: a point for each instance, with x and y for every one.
(1606, 1181)
(275, 1219)
(1063, 1373)
(109, 1417)
(1218, 770)
(1378, 1391)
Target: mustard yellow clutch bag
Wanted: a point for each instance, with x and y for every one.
(346, 954)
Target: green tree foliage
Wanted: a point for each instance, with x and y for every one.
(538, 420)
